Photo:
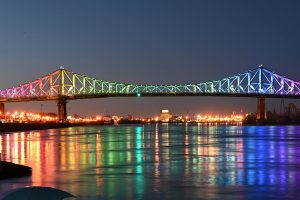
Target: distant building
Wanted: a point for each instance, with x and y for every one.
(292, 110)
(165, 115)
(177, 118)
(129, 117)
(107, 119)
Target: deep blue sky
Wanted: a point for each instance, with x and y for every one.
(148, 42)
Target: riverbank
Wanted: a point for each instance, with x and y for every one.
(11, 170)
(15, 127)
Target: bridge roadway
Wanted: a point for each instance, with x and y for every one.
(63, 85)
(76, 97)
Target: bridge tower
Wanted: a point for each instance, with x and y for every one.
(62, 101)
(261, 110)
(62, 109)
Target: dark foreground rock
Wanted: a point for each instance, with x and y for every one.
(11, 170)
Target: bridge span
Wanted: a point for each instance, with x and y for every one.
(63, 85)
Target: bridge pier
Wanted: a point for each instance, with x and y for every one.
(2, 110)
(62, 109)
(261, 110)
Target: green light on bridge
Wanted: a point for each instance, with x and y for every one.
(138, 94)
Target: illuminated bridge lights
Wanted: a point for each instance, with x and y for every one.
(70, 85)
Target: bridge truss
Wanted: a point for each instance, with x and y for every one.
(70, 85)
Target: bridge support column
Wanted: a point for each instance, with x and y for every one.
(2, 110)
(62, 109)
(261, 110)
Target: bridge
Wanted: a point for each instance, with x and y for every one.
(63, 85)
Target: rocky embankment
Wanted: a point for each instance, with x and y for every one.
(11, 170)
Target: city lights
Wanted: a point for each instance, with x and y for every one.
(217, 118)
(165, 116)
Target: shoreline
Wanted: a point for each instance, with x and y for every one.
(17, 127)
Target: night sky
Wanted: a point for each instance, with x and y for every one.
(157, 42)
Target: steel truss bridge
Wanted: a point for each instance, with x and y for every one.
(63, 85)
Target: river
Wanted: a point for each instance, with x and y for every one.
(160, 161)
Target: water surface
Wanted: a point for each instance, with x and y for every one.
(162, 161)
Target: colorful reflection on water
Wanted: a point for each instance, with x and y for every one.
(162, 161)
